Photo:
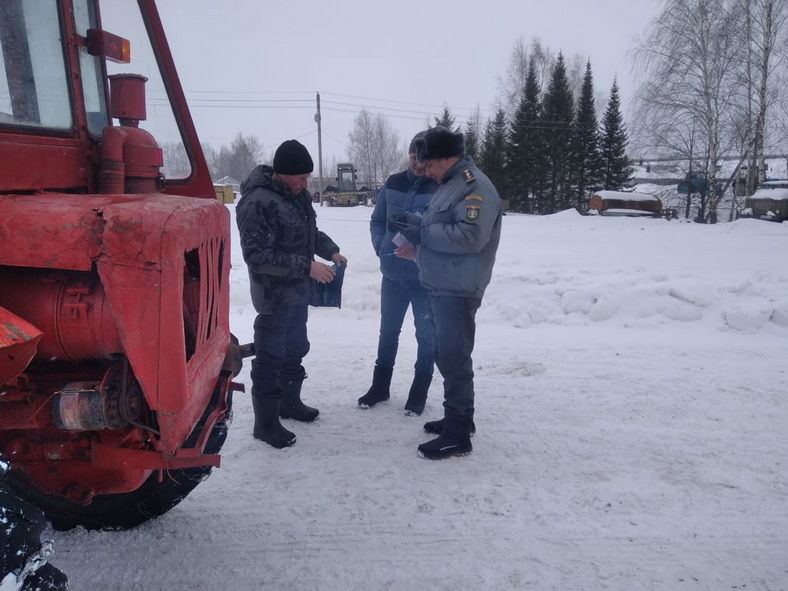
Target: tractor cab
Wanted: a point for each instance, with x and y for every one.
(115, 350)
(346, 193)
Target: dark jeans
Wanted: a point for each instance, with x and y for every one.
(395, 297)
(455, 331)
(280, 343)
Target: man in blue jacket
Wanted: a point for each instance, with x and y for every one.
(406, 191)
(457, 239)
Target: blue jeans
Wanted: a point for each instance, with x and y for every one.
(395, 297)
(280, 344)
(455, 333)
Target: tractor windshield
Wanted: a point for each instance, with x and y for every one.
(33, 85)
(346, 180)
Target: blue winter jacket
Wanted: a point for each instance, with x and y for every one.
(403, 191)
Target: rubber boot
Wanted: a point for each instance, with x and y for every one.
(292, 407)
(417, 397)
(436, 427)
(266, 423)
(455, 440)
(379, 391)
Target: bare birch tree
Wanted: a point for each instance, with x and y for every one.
(765, 36)
(691, 60)
(374, 148)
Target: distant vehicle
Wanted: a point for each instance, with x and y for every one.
(769, 202)
(346, 193)
(623, 203)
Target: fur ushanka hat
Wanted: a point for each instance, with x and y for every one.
(439, 142)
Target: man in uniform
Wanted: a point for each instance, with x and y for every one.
(456, 241)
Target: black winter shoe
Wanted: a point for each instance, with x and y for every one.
(417, 397)
(379, 391)
(266, 423)
(292, 407)
(455, 440)
(446, 445)
(436, 427)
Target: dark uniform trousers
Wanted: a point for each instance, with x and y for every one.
(455, 331)
(280, 343)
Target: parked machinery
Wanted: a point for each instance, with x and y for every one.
(115, 352)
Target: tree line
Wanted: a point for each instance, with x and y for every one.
(715, 83)
(552, 153)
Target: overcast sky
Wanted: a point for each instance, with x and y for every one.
(253, 66)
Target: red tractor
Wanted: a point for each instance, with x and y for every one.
(116, 357)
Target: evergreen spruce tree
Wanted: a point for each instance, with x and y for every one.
(617, 171)
(556, 125)
(447, 120)
(524, 149)
(492, 159)
(472, 139)
(586, 150)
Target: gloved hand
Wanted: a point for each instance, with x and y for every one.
(408, 224)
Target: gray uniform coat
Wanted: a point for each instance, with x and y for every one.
(460, 231)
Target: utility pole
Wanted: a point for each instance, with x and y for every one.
(319, 149)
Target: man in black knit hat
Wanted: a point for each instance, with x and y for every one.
(279, 240)
(456, 241)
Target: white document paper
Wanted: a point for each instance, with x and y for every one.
(399, 240)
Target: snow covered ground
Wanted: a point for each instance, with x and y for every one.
(631, 387)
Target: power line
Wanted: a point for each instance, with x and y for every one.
(365, 98)
(387, 114)
(263, 102)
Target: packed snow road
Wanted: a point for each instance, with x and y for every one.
(631, 409)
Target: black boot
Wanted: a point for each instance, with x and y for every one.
(417, 397)
(436, 427)
(379, 391)
(266, 423)
(292, 407)
(455, 440)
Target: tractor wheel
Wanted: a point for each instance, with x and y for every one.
(157, 495)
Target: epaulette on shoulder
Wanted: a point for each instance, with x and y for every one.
(469, 178)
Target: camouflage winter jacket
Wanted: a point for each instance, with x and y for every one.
(279, 238)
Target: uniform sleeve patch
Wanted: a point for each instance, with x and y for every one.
(472, 211)
(474, 197)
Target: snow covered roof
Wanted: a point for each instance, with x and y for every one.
(626, 196)
(775, 193)
(627, 212)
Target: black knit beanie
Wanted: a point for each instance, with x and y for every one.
(439, 142)
(292, 157)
